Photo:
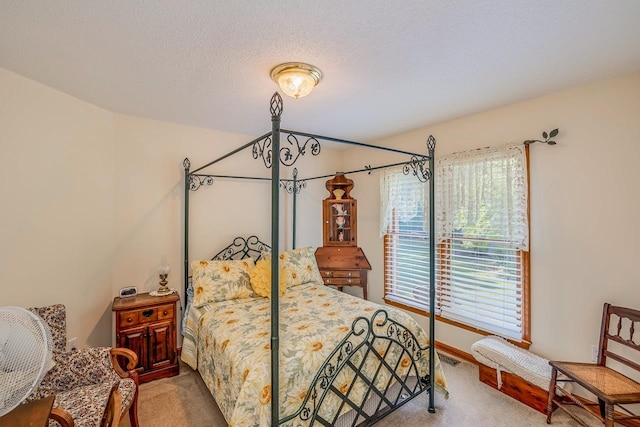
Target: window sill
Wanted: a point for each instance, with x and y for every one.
(393, 302)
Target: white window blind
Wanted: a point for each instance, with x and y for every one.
(481, 230)
(404, 204)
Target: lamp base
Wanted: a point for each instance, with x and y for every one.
(162, 291)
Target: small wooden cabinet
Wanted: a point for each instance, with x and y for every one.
(147, 325)
(340, 223)
(340, 261)
(339, 214)
(341, 267)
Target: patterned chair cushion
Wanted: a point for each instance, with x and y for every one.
(78, 368)
(86, 404)
(56, 318)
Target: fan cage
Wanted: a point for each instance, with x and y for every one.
(25, 355)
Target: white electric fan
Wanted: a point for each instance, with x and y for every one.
(25, 355)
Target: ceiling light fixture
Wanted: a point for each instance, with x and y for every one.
(296, 79)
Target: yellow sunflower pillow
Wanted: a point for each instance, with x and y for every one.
(300, 266)
(215, 281)
(261, 278)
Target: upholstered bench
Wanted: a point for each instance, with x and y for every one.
(513, 370)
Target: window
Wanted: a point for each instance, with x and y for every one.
(482, 241)
(406, 262)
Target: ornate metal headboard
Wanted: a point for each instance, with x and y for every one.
(240, 248)
(243, 248)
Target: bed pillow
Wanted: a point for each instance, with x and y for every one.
(261, 278)
(215, 281)
(300, 265)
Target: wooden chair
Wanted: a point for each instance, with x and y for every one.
(111, 416)
(82, 378)
(613, 390)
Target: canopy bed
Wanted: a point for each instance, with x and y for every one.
(374, 358)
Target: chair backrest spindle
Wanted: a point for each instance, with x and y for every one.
(605, 351)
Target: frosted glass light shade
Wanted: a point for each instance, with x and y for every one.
(296, 79)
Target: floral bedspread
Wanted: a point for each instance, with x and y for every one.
(229, 343)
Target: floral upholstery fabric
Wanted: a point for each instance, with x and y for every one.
(55, 317)
(300, 265)
(86, 404)
(80, 379)
(215, 281)
(78, 368)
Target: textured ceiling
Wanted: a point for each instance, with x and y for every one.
(388, 66)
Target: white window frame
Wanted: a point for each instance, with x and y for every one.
(516, 238)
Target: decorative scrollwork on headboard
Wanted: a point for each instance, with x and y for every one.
(242, 248)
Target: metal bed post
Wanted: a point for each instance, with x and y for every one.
(295, 204)
(276, 112)
(431, 145)
(186, 163)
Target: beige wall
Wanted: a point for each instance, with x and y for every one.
(56, 221)
(93, 202)
(584, 207)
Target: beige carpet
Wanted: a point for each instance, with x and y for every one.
(185, 401)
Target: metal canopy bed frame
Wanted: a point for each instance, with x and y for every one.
(268, 148)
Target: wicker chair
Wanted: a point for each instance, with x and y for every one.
(82, 380)
(613, 390)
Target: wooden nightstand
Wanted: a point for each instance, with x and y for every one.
(147, 326)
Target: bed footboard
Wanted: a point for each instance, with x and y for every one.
(374, 370)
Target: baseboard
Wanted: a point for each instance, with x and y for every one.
(455, 352)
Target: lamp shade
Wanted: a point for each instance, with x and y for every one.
(296, 79)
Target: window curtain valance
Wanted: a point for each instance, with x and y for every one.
(406, 194)
(473, 200)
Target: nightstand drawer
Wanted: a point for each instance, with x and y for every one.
(354, 274)
(128, 318)
(165, 312)
(145, 315)
(342, 281)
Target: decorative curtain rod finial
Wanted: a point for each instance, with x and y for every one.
(546, 138)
